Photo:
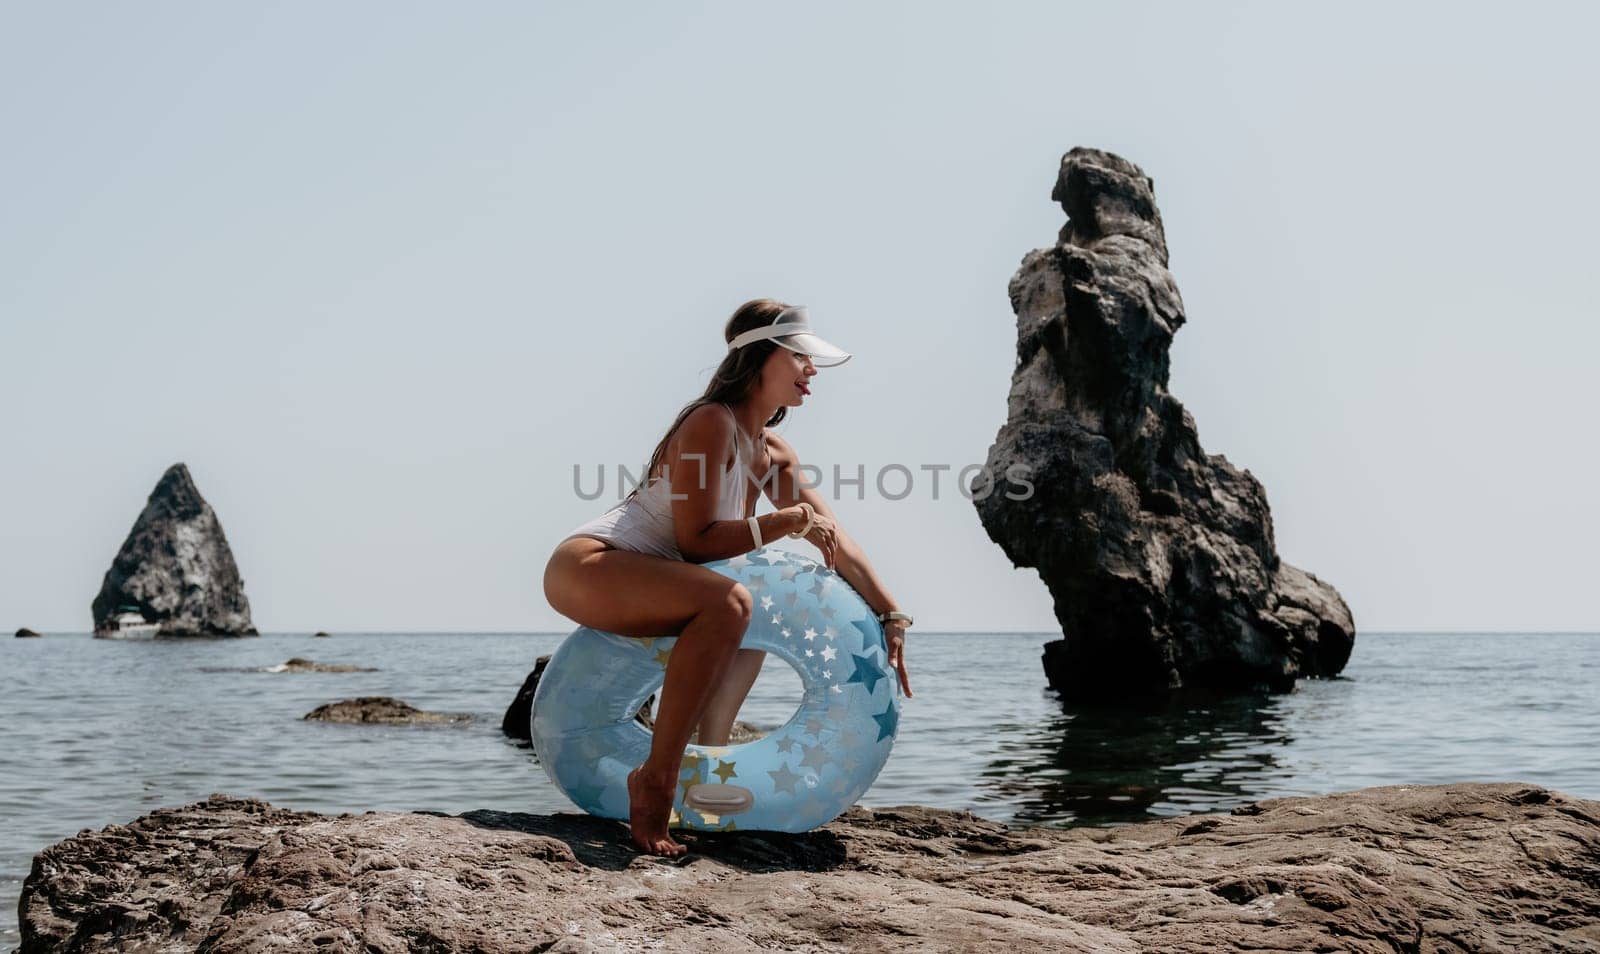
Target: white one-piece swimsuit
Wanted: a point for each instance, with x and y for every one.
(643, 522)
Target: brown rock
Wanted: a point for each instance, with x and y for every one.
(743, 732)
(381, 710)
(1471, 866)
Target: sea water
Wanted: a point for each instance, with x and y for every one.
(100, 731)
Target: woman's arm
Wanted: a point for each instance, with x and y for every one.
(848, 559)
(695, 457)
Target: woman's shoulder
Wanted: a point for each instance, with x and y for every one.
(708, 426)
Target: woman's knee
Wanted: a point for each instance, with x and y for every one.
(741, 602)
(733, 606)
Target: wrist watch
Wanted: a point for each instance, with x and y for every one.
(894, 614)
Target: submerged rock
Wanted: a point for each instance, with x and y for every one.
(175, 568)
(1471, 866)
(306, 665)
(1159, 557)
(26, 633)
(741, 732)
(381, 710)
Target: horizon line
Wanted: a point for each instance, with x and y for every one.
(931, 632)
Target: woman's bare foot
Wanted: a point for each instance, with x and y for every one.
(649, 807)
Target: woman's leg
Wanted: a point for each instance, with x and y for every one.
(637, 594)
(716, 722)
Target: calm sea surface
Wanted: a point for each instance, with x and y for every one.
(99, 731)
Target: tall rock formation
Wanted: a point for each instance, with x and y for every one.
(1159, 557)
(176, 568)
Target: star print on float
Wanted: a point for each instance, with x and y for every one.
(796, 777)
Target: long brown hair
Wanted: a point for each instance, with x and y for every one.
(735, 377)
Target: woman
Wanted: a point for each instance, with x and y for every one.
(635, 571)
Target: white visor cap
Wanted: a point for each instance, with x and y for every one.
(792, 329)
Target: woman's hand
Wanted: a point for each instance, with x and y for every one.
(894, 633)
(824, 535)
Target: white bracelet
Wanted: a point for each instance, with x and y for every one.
(755, 531)
(811, 519)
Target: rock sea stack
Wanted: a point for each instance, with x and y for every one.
(1159, 557)
(175, 568)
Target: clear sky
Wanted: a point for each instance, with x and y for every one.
(382, 273)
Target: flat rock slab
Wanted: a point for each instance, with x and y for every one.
(1472, 866)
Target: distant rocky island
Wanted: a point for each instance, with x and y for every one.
(174, 575)
(1159, 557)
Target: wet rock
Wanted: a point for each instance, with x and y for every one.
(1159, 557)
(175, 568)
(298, 664)
(381, 710)
(26, 633)
(1471, 866)
(517, 722)
(743, 732)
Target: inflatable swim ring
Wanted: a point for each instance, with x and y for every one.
(797, 777)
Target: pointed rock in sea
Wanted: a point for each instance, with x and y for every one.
(175, 567)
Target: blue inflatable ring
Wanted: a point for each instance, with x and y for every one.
(800, 776)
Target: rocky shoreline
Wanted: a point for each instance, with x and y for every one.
(1470, 866)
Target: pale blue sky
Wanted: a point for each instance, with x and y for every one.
(380, 274)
